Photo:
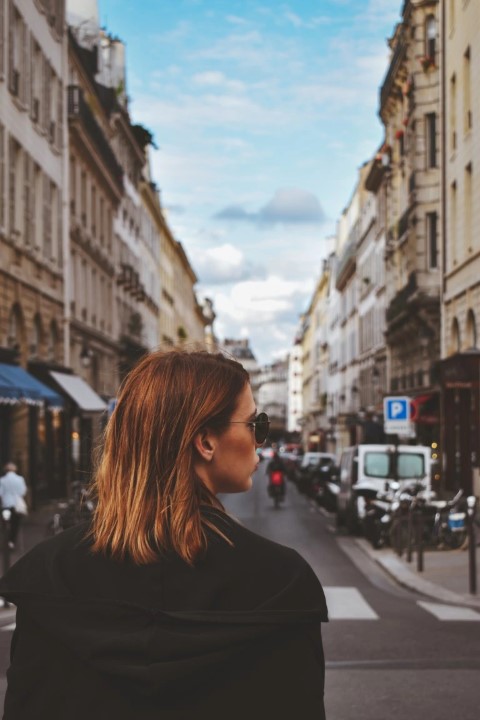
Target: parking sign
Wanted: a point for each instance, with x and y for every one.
(396, 413)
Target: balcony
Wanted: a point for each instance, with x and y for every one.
(78, 110)
(402, 227)
(399, 304)
(346, 263)
(398, 58)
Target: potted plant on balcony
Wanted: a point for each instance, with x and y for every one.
(399, 134)
(427, 62)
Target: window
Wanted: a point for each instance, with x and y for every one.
(432, 240)
(451, 19)
(430, 36)
(453, 219)
(468, 207)
(453, 112)
(471, 330)
(47, 217)
(467, 100)
(410, 466)
(431, 139)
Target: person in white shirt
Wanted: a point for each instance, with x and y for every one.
(12, 492)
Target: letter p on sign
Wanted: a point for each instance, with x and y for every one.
(397, 409)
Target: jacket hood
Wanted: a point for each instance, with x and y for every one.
(151, 649)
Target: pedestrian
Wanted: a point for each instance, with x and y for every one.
(12, 497)
(164, 606)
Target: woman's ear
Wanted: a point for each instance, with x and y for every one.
(204, 443)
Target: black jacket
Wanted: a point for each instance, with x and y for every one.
(237, 636)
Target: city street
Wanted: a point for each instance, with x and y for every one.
(387, 654)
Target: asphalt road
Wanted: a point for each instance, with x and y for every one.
(388, 657)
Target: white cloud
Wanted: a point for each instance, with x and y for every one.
(222, 264)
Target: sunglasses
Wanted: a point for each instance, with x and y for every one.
(260, 425)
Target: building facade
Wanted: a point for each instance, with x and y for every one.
(461, 248)
(410, 109)
(33, 224)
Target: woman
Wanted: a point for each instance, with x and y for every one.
(166, 607)
(12, 497)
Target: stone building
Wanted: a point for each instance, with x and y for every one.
(294, 389)
(273, 397)
(314, 343)
(461, 247)
(410, 107)
(33, 231)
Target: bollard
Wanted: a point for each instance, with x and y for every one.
(409, 535)
(6, 515)
(419, 539)
(472, 560)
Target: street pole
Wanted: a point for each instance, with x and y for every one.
(472, 560)
(6, 518)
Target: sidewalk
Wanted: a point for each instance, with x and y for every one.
(32, 531)
(445, 577)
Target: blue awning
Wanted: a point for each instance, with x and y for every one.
(18, 386)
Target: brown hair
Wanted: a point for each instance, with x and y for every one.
(148, 496)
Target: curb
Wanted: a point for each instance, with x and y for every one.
(396, 568)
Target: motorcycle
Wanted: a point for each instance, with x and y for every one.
(450, 526)
(276, 487)
(75, 510)
(378, 519)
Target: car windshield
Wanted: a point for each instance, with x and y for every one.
(394, 465)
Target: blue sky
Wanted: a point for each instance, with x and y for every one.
(262, 112)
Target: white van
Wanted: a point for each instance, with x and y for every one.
(373, 468)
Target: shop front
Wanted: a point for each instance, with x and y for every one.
(31, 421)
(460, 421)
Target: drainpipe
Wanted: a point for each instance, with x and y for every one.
(66, 207)
(443, 259)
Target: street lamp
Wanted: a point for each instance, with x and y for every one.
(86, 356)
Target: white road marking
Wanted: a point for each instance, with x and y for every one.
(450, 612)
(8, 628)
(347, 603)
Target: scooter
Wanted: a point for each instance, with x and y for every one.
(450, 527)
(276, 487)
(378, 519)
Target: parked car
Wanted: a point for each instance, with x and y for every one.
(331, 489)
(313, 471)
(371, 468)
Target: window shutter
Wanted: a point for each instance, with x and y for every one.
(47, 224)
(60, 227)
(60, 90)
(11, 46)
(27, 200)
(11, 185)
(2, 38)
(2, 174)
(25, 79)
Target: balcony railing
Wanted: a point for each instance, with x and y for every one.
(346, 262)
(79, 110)
(400, 302)
(395, 63)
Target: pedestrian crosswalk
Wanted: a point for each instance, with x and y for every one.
(348, 603)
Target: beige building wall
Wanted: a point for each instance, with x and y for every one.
(32, 142)
(189, 319)
(461, 326)
(96, 188)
